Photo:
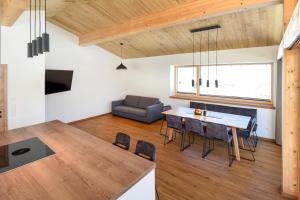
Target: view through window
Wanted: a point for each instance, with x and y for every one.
(247, 81)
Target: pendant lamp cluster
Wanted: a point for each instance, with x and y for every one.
(201, 30)
(121, 66)
(39, 44)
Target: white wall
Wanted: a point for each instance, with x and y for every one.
(26, 99)
(95, 79)
(151, 77)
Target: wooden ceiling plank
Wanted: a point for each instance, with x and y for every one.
(11, 10)
(175, 15)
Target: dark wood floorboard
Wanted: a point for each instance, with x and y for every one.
(185, 175)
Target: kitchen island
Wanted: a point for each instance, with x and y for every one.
(82, 167)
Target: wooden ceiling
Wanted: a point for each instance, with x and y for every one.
(241, 29)
(254, 28)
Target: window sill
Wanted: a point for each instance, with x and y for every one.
(230, 101)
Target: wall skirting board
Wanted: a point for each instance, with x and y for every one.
(89, 118)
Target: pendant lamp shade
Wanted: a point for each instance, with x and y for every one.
(46, 42)
(34, 48)
(40, 45)
(29, 44)
(29, 50)
(121, 66)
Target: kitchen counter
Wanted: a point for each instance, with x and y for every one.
(83, 167)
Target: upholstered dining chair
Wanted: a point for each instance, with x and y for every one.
(217, 131)
(165, 108)
(146, 150)
(175, 123)
(122, 140)
(194, 127)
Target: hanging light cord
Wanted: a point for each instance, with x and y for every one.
(217, 54)
(45, 16)
(121, 52)
(193, 55)
(40, 23)
(30, 22)
(35, 19)
(208, 55)
(200, 52)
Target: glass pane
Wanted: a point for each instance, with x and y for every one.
(252, 81)
(184, 80)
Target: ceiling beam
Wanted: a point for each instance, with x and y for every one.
(11, 10)
(178, 14)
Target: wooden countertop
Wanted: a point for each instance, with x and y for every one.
(84, 166)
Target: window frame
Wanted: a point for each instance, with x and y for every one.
(253, 102)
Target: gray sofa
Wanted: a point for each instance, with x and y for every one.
(144, 109)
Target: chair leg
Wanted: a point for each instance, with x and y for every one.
(253, 158)
(162, 125)
(205, 152)
(165, 138)
(230, 155)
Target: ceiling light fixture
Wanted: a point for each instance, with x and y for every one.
(45, 36)
(34, 42)
(29, 44)
(121, 66)
(200, 65)
(216, 81)
(208, 28)
(193, 81)
(39, 38)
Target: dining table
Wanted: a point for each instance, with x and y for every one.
(231, 121)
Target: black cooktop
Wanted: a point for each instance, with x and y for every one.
(21, 153)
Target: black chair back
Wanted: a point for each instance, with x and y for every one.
(217, 131)
(146, 150)
(193, 125)
(122, 141)
(166, 108)
(174, 122)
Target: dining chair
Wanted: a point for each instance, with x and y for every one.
(147, 151)
(175, 123)
(249, 137)
(218, 131)
(165, 108)
(122, 140)
(194, 127)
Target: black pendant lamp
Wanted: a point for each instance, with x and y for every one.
(121, 66)
(207, 82)
(193, 81)
(29, 44)
(216, 81)
(200, 65)
(34, 42)
(45, 37)
(39, 38)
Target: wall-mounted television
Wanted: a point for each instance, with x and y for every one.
(58, 81)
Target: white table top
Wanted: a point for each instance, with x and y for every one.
(229, 120)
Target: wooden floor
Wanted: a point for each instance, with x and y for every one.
(185, 175)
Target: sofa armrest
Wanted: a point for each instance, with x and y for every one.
(117, 103)
(154, 112)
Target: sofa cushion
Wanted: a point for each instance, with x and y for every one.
(131, 110)
(147, 101)
(132, 101)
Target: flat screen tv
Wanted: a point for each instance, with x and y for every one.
(58, 81)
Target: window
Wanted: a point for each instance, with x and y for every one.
(236, 81)
(184, 80)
